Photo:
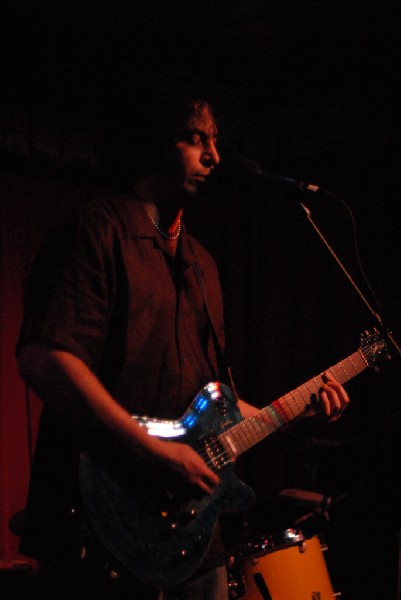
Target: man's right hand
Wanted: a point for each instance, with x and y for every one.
(183, 459)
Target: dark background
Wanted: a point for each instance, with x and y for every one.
(316, 84)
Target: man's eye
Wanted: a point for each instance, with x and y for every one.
(195, 139)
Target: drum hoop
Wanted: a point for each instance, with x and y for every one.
(275, 542)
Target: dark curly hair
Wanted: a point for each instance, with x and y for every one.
(142, 119)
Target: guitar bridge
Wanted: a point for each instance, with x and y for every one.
(213, 452)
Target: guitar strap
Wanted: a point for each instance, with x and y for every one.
(221, 357)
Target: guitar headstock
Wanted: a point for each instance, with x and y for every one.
(373, 347)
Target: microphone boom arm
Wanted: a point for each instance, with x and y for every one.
(346, 273)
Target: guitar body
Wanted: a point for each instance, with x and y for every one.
(157, 526)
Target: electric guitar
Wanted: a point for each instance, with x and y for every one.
(159, 527)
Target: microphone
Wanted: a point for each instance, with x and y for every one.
(245, 170)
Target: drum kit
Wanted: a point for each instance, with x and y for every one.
(289, 565)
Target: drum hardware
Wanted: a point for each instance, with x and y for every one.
(317, 504)
(312, 500)
(235, 575)
(320, 507)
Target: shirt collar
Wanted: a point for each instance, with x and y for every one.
(140, 226)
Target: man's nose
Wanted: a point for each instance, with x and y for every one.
(211, 157)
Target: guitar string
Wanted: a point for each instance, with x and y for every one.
(250, 433)
(212, 460)
(247, 430)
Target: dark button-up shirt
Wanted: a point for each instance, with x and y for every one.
(105, 290)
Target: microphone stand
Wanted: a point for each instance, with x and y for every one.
(377, 317)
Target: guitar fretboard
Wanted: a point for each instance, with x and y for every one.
(266, 421)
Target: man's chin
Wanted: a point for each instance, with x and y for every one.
(192, 188)
(196, 186)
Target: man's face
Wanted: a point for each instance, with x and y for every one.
(196, 146)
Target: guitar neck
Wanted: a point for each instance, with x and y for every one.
(269, 419)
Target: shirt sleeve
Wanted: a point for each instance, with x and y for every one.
(69, 298)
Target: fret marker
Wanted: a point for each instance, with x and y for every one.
(232, 445)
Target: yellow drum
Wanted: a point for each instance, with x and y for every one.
(297, 571)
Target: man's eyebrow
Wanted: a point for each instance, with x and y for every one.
(202, 133)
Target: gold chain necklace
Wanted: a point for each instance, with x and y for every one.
(168, 236)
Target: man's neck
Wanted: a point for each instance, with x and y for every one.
(163, 210)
